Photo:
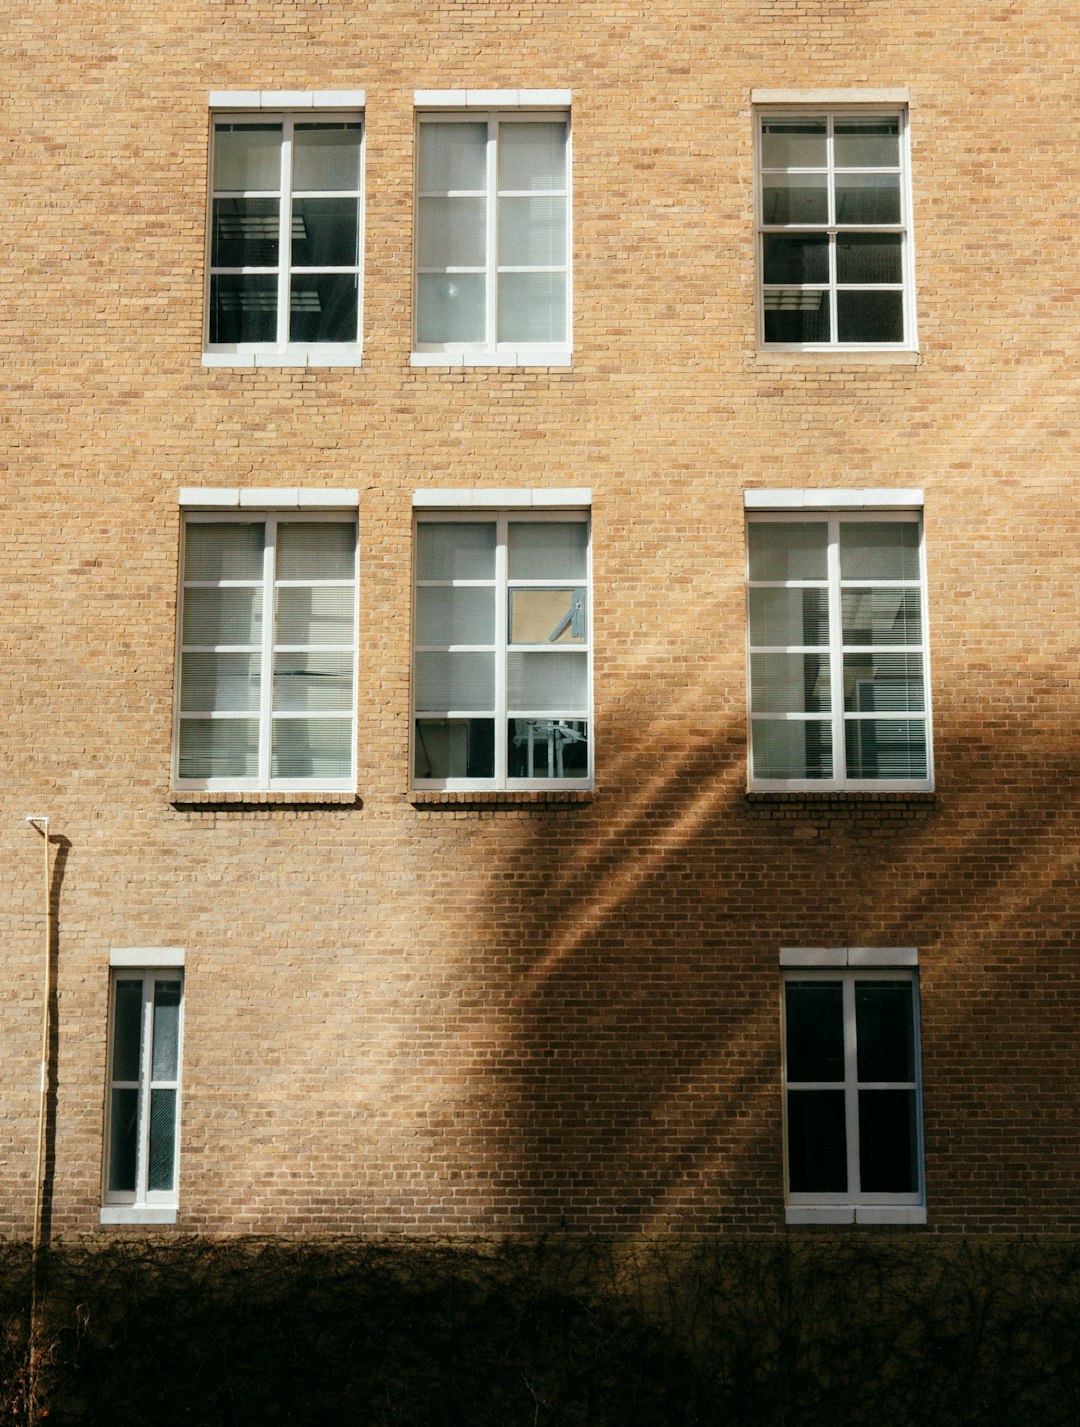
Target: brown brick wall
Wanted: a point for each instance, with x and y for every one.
(470, 1017)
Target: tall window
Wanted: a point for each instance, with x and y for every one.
(492, 234)
(501, 691)
(267, 694)
(143, 1108)
(852, 1088)
(838, 654)
(285, 236)
(834, 230)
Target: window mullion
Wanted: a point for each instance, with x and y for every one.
(836, 654)
(491, 274)
(285, 234)
(266, 673)
(501, 637)
(143, 1108)
(834, 327)
(851, 1087)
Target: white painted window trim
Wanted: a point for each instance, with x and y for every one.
(838, 715)
(812, 104)
(497, 106)
(264, 782)
(143, 1205)
(288, 106)
(501, 782)
(848, 965)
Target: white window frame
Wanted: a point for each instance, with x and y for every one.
(854, 1206)
(501, 648)
(264, 782)
(838, 716)
(492, 352)
(142, 1205)
(282, 351)
(905, 227)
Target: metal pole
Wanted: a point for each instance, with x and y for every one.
(42, 826)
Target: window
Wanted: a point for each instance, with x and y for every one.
(285, 237)
(142, 1127)
(492, 235)
(834, 230)
(501, 693)
(852, 1094)
(267, 659)
(837, 640)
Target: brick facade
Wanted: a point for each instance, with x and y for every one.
(470, 1015)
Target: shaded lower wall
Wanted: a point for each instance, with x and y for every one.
(820, 1329)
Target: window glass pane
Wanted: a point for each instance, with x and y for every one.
(123, 1140)
(885, 1030)
(789, 616)
(789, 683)
(450, 309)
(226, 683)
(222, 616)
(547, 748)
(454, 748)
(866, 143)
(461, 550)
(311, 748)
(888, 1142)
(219, 748)
(532, 231)
(541, 682)
(324, 307)
(164, 1056)
(815, 1030)
(326, 157)
(127, 1029)
(452, 232)
(452, 156)
(548, 617)
(315, 616)
(883, 683)
(867, 198)
(870, 316)
(446, 682)
(795, 198)
(325, 232)
(817, 1142)
(869, 257)
(448, 616)
(226, 551)
(245, 233)
(881, 616)
(532, 155)
(879, 550)
(886, 748)
(793, 143)
(532, 307)
(316, 550)
(161, 1171)
(247, 157)
(793, 314)
(547, 550)
(801, 258)
(243, 308)
(309, 682)
(791, 748)
(788, 550)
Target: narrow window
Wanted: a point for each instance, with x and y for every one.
(267, 665)
(502, 671)
(838, 652)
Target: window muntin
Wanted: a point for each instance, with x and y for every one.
(834, 230)
(852, 1095)
(142, 1116)
(493, 233)
(267, 659)
(838, 670)
(502, 671)
(286, 225)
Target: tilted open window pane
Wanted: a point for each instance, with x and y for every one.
(143, 1102)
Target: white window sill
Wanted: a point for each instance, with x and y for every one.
(298, 357)
(797, 1214)
(138, 1214)
(560, 357)
(840, 356)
